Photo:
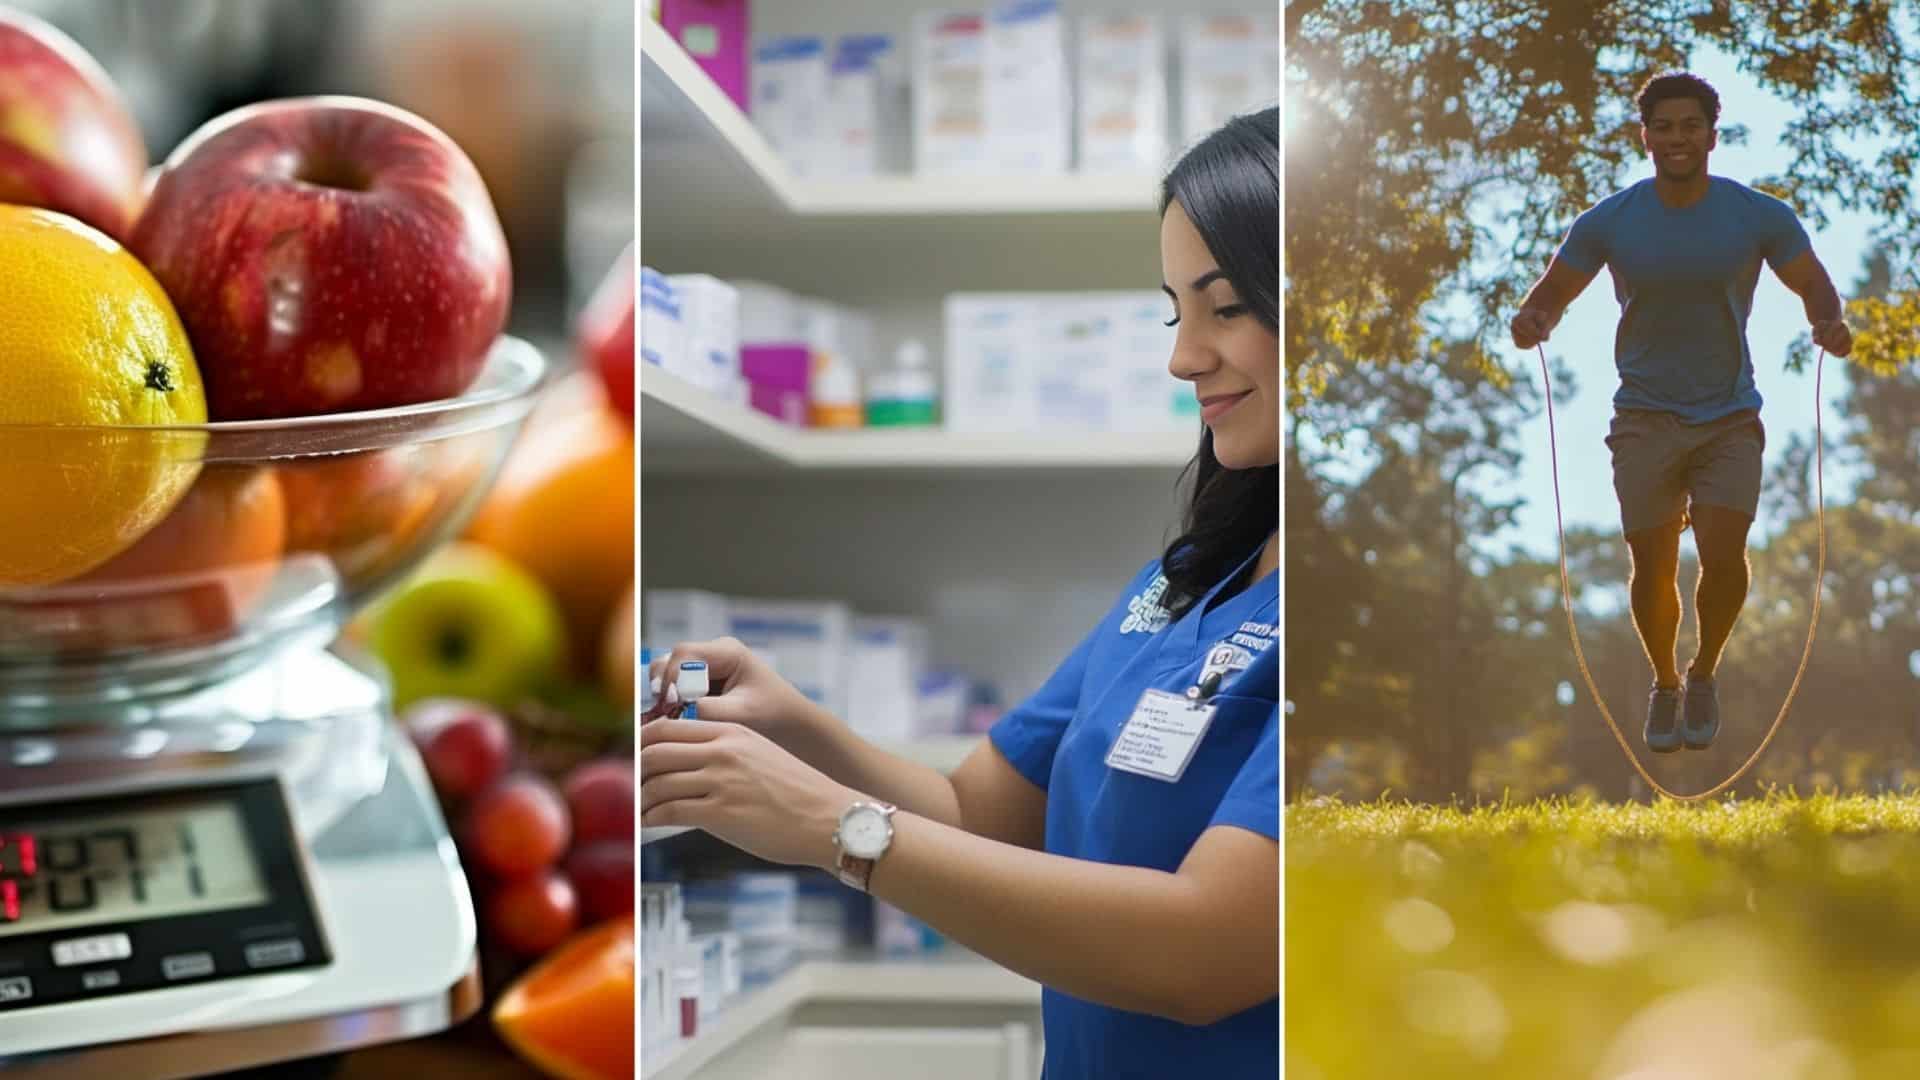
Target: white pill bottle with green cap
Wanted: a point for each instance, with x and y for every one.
(907, 395)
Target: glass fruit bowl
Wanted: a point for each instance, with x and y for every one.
(138, 562)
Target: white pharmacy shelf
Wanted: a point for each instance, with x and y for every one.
(940, 752)
(953, 976)
(686, 429)
(701, 155)
(660, 832)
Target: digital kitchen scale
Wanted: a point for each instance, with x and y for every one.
(217, 848)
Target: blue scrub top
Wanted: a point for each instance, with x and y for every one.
(1059, 739)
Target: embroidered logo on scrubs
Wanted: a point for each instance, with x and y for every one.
(1236, 651)
(1227, 660)
(1257, 636)
(1144, 613)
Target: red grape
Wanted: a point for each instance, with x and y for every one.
(602, 875)
(600, 796)
(465, 745)
(533, 914)
(517, 827)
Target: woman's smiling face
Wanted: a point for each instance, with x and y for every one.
(1230, 357)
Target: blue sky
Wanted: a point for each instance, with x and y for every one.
(1585, 339)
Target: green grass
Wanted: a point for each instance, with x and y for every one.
(1758, 939)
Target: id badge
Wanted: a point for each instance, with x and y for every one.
(1159, 738)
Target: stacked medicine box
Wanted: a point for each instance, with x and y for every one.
(1058, 362)
(1016, 88)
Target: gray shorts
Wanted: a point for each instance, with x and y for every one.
(1660, 462)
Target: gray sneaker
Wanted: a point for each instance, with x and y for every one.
(1663, 719)
(1702, 713)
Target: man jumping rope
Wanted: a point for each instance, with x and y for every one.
(1685, 249)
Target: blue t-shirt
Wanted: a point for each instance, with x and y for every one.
(1685, 278)
(1059, 739)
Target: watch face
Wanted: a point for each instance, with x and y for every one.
(864, 833)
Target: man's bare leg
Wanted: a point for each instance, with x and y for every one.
(1721, 535)
(1655, 591)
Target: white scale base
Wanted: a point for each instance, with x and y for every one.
(391, 898)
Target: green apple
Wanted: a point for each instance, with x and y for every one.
(470, 624)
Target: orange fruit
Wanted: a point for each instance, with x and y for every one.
(199, 572)
(572, 1014)
(617, 648)
(363, 510)
(563, 509)
(91, 346)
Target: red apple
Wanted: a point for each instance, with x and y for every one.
(327, 254)
(67, 141)
(604, 333)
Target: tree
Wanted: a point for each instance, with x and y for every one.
(1328, 586)
(1413, 121)
(1394, 625)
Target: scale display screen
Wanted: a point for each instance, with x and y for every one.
(185, 858)
(121, 893)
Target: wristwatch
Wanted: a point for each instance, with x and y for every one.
(865, 833)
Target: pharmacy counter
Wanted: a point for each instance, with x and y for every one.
(932, 1016)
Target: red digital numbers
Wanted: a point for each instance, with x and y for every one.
(18, 859)
(20, 850)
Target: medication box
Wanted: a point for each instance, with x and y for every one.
(989, 383)
(773, 354)
(1028, 97)
(856, 96)
(950, 93)
(673, 616)
(710, 316)
(1048, 362)
(805, 641)
(789, 99)
(885, 659)
(1229, 64)
(1122, 116)
(662, 322)
(714, 33)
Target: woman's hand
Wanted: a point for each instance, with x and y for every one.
(742, 688)
(734, 783)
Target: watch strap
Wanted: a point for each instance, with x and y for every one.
(853, 871)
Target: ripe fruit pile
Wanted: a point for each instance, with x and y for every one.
(326, 254)
(288, 259)
(547, 859)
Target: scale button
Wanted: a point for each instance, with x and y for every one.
(16, 988)
(91, 950)
(104, 979)
(276, 953)
(187, 965)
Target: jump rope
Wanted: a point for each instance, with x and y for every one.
(1566, 593)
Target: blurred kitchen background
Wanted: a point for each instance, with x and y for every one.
(540, 95)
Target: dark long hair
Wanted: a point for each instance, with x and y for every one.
(1229, 186)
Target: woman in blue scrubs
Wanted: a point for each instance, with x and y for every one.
(1116, 838)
